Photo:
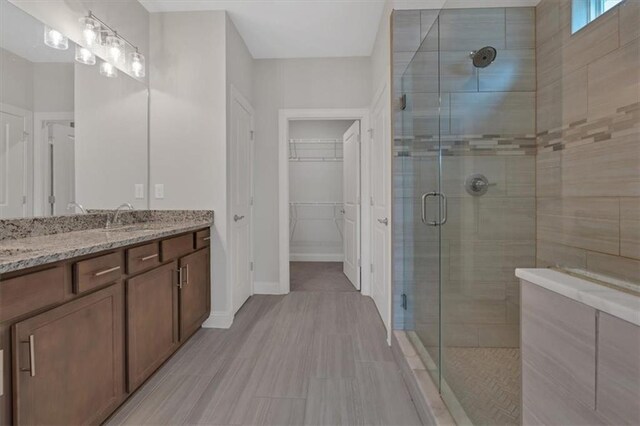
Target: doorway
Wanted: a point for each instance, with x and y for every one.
(324, 210)
(321, 213)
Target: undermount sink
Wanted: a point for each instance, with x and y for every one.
(146, 228)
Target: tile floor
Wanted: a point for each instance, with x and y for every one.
(317, 356)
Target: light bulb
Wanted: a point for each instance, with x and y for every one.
(108, 70)
(137, 65)
(53, 38)
(115, 50)
(90, 31)
(85, 56)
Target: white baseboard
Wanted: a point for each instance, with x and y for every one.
(314, 257)
(266, 287)
(219, 320)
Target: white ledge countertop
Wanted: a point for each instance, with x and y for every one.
(610, 300)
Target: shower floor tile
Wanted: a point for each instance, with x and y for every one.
(486, 382)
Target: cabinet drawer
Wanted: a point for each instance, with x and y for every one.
(176, 247)
(96, 272)
(143, 258)
(203, 238)
(27, 293)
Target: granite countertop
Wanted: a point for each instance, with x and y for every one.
(22, 253)
(617, 302)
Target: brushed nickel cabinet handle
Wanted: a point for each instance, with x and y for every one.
(206, 238)
(32, 356)
(186, 269)
(144, 259)
(180, 278)
(106, 271)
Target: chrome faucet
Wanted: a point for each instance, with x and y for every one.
(116, 215)
(74, 205)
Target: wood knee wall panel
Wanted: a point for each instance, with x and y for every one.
(579, 365)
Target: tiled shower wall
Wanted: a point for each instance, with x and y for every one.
(486, 124)
(588, 124)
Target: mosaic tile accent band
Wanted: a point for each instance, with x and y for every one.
(624, 122)
(465, 145)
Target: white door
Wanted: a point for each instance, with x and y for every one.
(63, 176)
(381, 208)
(13, 166)
(241, 179)
(351, 196)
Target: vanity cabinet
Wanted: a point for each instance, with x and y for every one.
(77, 337)
(69, 361)
(195, 297)
(152, 321)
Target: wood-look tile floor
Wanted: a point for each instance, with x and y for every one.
(307, 358)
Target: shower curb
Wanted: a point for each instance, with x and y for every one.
(424, 393)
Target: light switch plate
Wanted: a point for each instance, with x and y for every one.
(159, 190)
(139, 191)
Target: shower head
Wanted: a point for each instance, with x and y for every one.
(484, 57)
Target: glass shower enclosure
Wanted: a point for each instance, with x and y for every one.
(465, 203)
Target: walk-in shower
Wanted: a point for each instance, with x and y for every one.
(465, 203)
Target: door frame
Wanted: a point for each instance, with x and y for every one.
(288, 115)
(237, 96)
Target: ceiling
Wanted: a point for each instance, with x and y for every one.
(312, 28)
(294, 28)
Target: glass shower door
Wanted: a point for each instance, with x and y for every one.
(418, 153)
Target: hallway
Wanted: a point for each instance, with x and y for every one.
(315, 357)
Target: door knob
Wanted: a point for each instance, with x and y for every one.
(237, 218)
(384, 221)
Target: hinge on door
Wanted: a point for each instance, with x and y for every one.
(371, 201)
(252, 133)
(404, 301)
(24, 199)
(251, 266)
(370, 133)
(52, 199)
(371, 269)
(251, 201)
(359, 263)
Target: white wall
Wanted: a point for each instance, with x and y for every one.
(293, 83)
(110, 139)
(16, 84)
(53, 87)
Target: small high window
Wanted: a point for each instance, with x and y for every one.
(585, 11)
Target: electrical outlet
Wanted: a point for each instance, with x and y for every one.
(159, 190)
(139, 191)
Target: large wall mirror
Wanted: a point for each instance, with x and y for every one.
(70, 136)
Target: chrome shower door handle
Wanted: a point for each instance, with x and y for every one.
(445, 212)
(424, 208)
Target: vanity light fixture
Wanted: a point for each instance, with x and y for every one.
(137, 64)
(85, 56)
(91, 31)
(109, 70)
(54, 38)
(97, 34)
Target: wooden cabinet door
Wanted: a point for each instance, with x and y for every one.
(152, 321)
(195, 300)
(68, 362)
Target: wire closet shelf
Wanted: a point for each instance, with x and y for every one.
(294, 215)
(315, 150)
